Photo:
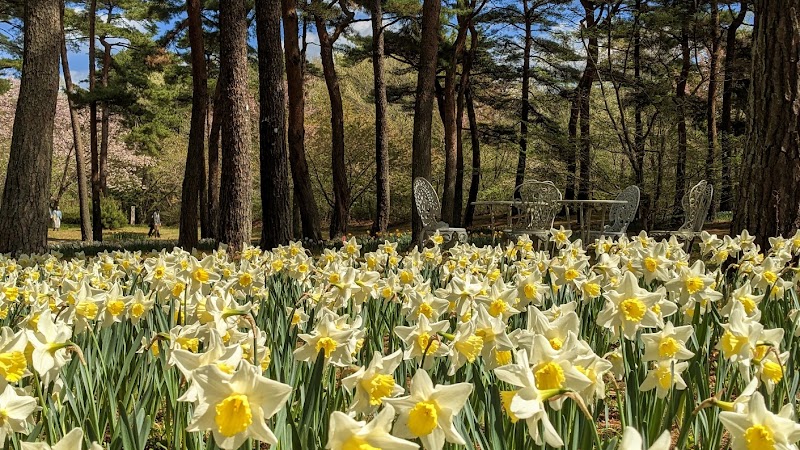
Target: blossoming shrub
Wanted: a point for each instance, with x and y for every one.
(631, 344)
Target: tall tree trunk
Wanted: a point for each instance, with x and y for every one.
(341, 189)
(711, 109)
(639, 137)
(572, 139)
(195, 172)
(297, 155)
(680, 99)
(475, 182)
(382, 194)
(97, 219)
(235, 223)
(726, 191)
(105, 115)
(767, 204)
(450, 119)
(526, 107)
(24, 209)
(423, 106)
(584, 174)
(214, 162)
(80, 156)
(276, 215)
(463, 85)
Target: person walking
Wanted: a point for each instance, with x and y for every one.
(56, 215)
(155, 225)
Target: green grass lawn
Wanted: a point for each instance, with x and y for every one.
(70, 233)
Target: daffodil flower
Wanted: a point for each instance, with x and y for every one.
(665, 376)
(13, 363)
(528, 402)
(15, 410)
(429, 411)
(375, 383)
(629, 308)
(71, 441)
(667, 344)
(50, 343)
(760, 429)
(236, 407)
(632, 440)
(345, 433)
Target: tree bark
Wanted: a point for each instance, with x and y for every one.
(526, 107)
(105, 117)
(584, 173)
(463, 85)
(301, 179)
(382, 194)
(235, 223)
(680, 99)
(572, 140)
(475, 182)
(423, 106)
(711, 109)
(276, 215)
(768, 202)
(639, 136)
(97, 219)
(214, 162)
(340, 215)
(80, 156)
(450, 119)
(726, 191)
(195, 173)
(24, 209)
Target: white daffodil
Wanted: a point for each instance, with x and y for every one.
(560, 236)
(653, 263)
(759, 428)
(13, 363)
(227, 359)
(466, 346)
(628, 308)
(338, 345)
(71, 441)
(744, 295)
(528, 402)
(669, 343)
(770, 365)
(429, 411)
(740, 337)
(690, 283)
(665, 376)
(50, 344)
(632, 440)
(374, 383)
(497, 346)
(15, 410)
(346, 433)
(422, 341)
(236, 407)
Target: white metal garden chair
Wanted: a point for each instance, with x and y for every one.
(429, 210)
(621, 215)
(538, 208)
(696, 204)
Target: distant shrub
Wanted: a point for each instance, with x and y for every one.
(112, 215)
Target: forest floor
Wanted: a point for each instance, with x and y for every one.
(72, 232)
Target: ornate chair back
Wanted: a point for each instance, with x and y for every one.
(621, 215)
(427, 202)
(542, 203)
(695, 206)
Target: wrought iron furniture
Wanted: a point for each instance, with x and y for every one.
(429, 210)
